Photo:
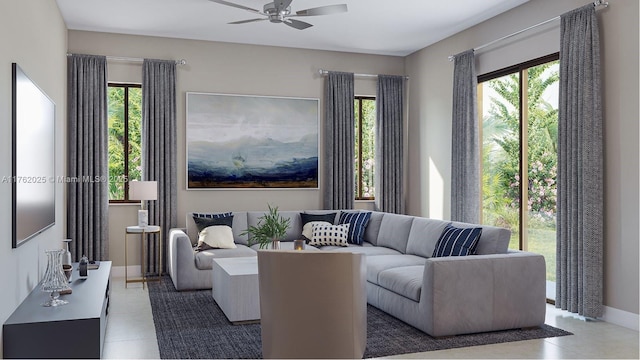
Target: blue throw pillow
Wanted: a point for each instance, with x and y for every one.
(205, 220)
(357, 225)
(457, 241)
(328, 217)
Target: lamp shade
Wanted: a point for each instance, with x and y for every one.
(143, 190)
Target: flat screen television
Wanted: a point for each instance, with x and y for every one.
(33, 158)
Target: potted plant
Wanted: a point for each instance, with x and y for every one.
(270, 229)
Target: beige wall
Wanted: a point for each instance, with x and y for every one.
(430, 121)
(215, 67)
(33, 35)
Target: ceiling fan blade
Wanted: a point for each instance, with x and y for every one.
(323, 10)
(296, 24)
(222, 2)
(247, 21)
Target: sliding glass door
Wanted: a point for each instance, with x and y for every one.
(518, 110)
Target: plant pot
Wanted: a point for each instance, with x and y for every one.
(275, 245)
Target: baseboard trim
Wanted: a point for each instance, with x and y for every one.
(621, 318)
(132, 271)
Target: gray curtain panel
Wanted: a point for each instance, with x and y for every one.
(580, 167)
(465, 142)
(389, 156)
(159, 150)
(87, 132)
(339, 141)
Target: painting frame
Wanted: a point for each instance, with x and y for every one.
(243, 142)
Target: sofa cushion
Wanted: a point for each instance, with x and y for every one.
(239, 225)
(405, 281)
(211, 220)
(308, 219)
(203, 259)
(366, 248)
(373, 227)
(211, 215)
(424, 236)
(216, 237)
(377, 264)
(494, 240)
(335, 235)
(357, 224)
(394, 231)
(324, 212)
(307, 229)
(457, 241)
(328, 217)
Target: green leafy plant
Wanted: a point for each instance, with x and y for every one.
(271, 227)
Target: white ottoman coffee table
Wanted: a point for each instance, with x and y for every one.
(235, 288)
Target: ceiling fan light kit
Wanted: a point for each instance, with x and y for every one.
(280, 12)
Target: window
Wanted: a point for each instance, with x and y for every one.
(518, 110)
(125, 124)
(365, 118)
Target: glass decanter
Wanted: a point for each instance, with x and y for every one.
(54, 279)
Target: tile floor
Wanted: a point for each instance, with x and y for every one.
(131, 334)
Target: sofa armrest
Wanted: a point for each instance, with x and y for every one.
(181, 256)
(468, 294)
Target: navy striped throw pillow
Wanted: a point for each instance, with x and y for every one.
(212, 216)
(457, 241)
(357, 225)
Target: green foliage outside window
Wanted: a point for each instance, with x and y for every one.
(125, 113)
(501, 147)
(365, 117)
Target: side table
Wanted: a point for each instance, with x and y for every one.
(144, 231)
(235, 288)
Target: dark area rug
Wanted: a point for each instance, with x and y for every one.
(190, 325)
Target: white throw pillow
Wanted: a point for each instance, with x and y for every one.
(217, 236)
(335, 235)
(308, 227)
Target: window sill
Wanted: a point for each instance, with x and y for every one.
(137, 204)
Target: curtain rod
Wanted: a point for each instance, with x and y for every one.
(133, 59)
(595, 3)
(325, 72)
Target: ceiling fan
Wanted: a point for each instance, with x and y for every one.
(279, 11)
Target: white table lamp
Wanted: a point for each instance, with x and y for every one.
(143, 190)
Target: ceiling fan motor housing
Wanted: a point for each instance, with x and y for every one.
(275, 13)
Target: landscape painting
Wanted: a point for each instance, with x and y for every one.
(243, 142)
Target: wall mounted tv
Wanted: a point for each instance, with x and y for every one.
(33, 159)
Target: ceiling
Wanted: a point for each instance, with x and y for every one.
(385, 27)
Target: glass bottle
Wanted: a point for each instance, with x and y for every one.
(66, 260)
(67, 256)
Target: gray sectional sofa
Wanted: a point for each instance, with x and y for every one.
(494, 289)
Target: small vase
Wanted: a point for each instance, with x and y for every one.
(54, 279)
(275, 244)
